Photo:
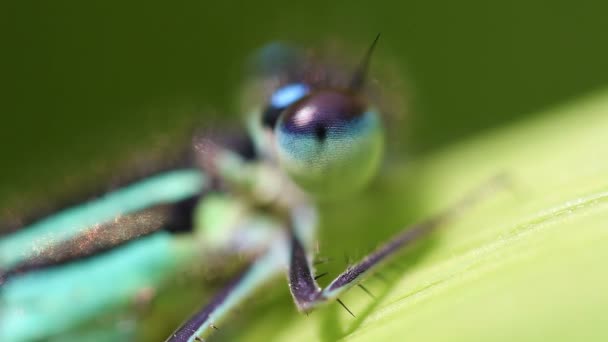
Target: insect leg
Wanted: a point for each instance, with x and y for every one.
(52, 302)
(268, 265)
(306, 292)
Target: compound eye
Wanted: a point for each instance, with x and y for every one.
(330, 142)
(282, 98)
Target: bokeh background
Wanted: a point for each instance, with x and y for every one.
(87, 84)
(90, 85)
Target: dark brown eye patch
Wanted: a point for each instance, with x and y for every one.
(321, 111)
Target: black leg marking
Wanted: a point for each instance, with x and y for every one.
(366, 290)
(345, 307)
(320, 275)
(190, 328)
(227, 300)
(304, 288)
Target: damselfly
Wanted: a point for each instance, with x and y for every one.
(316, 133)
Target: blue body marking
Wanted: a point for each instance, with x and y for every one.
(34, 304)
(288, 94)
(163, 188)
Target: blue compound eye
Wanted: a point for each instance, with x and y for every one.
(330, 142)
(281, 99)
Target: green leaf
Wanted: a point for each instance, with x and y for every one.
(527, 264)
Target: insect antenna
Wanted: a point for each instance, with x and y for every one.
(359, 76)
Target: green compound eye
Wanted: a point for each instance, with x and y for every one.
(330, 142)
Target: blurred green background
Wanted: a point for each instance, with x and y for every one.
(88, 83)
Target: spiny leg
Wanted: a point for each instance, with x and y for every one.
(307, 293)
(234, 173)
(268, 265)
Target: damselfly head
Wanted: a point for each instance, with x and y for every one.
(330, 142)
(328, 138)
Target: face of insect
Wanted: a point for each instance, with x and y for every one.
(330, 141)
(317, 123)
